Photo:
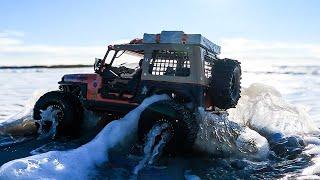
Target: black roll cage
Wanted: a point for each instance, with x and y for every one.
(132, 48)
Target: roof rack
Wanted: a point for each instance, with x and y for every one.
(179, 37)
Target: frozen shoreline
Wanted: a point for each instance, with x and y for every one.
(46, 67)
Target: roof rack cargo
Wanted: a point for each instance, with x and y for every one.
(179, 37)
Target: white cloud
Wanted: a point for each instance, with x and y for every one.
(14, 51)
(51, 50)
(6, 42)
(259, 50)
(11, 33)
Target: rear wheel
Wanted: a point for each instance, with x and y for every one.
(225, 83)
(181, 125)
(58, 113)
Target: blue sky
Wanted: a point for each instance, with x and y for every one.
(55, 32)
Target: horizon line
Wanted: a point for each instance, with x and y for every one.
(46, 66)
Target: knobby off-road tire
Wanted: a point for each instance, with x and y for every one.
(225, 84)
(183, 126)
(70, 119)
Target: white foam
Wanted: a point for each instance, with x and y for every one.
(311, 140)
(312, 148)
(313, 169)
(78, 163)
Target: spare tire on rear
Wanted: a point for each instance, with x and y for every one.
(70, 112)
(183, 125)
(225, 83)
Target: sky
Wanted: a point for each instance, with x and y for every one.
(76, 31)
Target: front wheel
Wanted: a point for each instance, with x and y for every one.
(180, 123)
(58, 114)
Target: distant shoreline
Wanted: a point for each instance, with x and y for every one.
(46, 67)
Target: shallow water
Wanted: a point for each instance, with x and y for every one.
(298, 84)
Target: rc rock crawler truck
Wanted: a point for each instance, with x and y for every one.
(186, 67)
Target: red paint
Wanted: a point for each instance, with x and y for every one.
(94, 83)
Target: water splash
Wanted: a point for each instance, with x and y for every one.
(263, 109)
(222, 137)
(78, 163)
(22, 123)
(16, 127)
(251, 144)
(152, 149)
(48, 116)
